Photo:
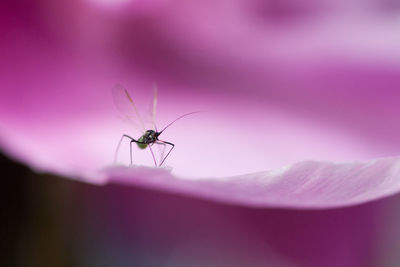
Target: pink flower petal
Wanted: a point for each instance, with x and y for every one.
(307, 184)
(279, 115)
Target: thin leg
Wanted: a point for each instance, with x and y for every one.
(119, 144)
(161, 150)
(167, 143)
(154, 158)
(130, 151)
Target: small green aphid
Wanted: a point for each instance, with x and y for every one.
(122, 101)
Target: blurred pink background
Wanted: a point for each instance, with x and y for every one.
(282, 82)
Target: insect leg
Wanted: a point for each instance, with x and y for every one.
(162, 150)
(167, 143)
(151, 150)
(119, 144)
(130, 151)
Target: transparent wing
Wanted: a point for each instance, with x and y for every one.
(125, 105)
(150, 116)
(154, 110)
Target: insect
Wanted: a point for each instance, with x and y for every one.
(124, 103)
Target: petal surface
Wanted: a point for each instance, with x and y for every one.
(279, 116)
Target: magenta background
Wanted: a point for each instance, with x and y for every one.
(325, 72)
(287, 85)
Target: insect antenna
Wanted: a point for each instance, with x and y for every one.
(180, 117)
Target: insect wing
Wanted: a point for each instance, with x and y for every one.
(150, 116)
(154, 107)
(125, 105)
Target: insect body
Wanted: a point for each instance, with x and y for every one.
(149, 137)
